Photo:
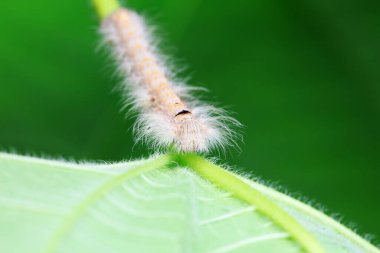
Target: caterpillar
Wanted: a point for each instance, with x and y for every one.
(168, 115)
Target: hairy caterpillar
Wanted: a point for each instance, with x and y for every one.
(167, 113)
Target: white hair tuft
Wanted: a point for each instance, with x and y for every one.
(168, 114)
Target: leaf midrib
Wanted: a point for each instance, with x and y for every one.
(320, 216)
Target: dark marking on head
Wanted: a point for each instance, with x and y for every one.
(183, 112)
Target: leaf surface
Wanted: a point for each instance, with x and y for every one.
(51, 206)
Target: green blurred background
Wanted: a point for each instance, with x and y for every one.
(303, 77)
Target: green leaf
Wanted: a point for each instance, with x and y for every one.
(148, 206)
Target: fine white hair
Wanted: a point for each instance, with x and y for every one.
(168, 115)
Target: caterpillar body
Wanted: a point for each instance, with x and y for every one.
(168, 115)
